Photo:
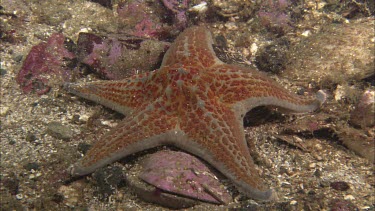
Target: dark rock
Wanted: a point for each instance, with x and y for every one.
(104, 3)
(11, 142)
(75, 118)
(2, 72)
(18, 58)
(272, 58)
(57, 198)
(83, 147)
(11, 183)
(341, 186)
(318, 173)
(57, 130)
(30, 166)
(30, 137)
(178, 9)
(107, 180)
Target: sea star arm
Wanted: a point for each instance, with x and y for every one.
(244, 89)
(122, 96)
(215, 134)
(141, 130)
(193, 48)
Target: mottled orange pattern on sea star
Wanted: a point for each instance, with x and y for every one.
(194, 102)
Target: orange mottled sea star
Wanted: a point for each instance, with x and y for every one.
(194, 102)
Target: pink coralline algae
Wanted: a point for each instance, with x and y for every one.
(273, 15)
(46, 61)
(134, 15)
(116, 57)
(183, 174)
(179, 9)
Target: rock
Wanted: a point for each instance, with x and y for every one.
(335, 55)
(274, 16)
(342, 205)
(233, 8)
(30, 166)
(72, 194)
(340, 185)
(364, 113)
(4, 110)
(117, 57)
(183, 174)
(152, 194)
(138, 18)
(57, 130)
(46, 62)
(178, 9)
(3, 72)
(11, 183)
(30, 137)
(104, 3)
(176, 180)
(272, 57)
(83, 147)
(356, 140)
(107, 180)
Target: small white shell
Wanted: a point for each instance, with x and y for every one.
(200, 8)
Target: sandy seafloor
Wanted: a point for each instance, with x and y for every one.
(302, 174)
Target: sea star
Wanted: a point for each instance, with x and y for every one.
(194, 102)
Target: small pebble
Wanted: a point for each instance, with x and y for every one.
(253, 48)
(58, 198)
(324, 184)
(19, 196)
(318, 147)
(349, 197)
(4, 110)
(231, 26)
(60, 131)
(18, 58)
(70, 194)
(2, 72)
(30, 137)
(318, 173)
(340, 185)
(83, 148)
(30, 166)
(312, 165)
